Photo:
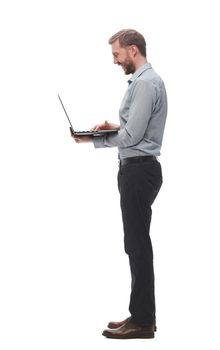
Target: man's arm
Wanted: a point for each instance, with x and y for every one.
(140, 112)
(104, 126)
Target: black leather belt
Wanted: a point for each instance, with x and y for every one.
(136, 160)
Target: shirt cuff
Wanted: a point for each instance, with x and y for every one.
(98, 141)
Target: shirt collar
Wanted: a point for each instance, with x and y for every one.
(139, 71)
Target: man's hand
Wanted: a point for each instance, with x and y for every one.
(80, 139)
(83, 139)
(106, 126)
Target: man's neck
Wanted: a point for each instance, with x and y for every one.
(140, 63)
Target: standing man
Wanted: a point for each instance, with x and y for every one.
(142, 118)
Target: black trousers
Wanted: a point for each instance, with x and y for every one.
(139, 183)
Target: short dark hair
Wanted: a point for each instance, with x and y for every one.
(129, 37)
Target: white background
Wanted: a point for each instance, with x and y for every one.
(63, 271)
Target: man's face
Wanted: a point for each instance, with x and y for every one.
(122, 57)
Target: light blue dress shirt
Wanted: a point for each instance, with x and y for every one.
(142, 116)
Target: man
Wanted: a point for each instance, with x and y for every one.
(142, 120)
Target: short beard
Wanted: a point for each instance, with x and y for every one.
(128, 66)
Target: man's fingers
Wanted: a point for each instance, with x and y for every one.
(77, 139)
(100, 126)
(94, 128)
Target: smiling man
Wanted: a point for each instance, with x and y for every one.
(142, 117)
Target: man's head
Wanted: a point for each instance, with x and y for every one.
(128, 49)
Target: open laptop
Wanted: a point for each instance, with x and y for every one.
(85, 133)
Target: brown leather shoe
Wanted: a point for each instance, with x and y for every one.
(114, 325)
(130, 331)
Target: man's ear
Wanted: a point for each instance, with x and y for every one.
(134, 50)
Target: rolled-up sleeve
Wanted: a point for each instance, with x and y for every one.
(142, 102)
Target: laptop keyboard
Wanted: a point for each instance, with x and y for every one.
(81, 132)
